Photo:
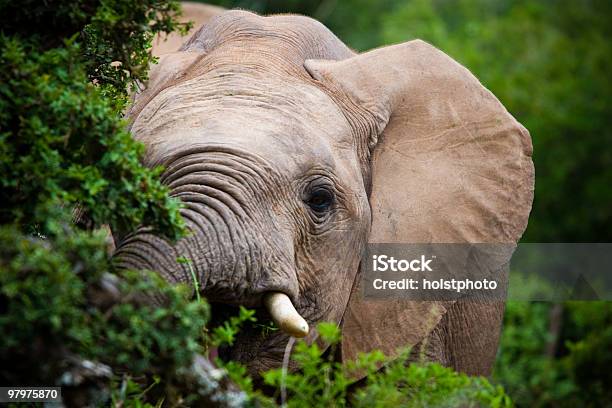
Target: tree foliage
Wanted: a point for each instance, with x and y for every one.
(61, 306)
(66, 318)
(62, 141)
(323, 382)
(538, 369)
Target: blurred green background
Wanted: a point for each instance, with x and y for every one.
(550, 63)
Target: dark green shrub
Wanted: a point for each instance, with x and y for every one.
(62, 140)
(61, 143)
(65, 317)
(54, 307)
(323, 382)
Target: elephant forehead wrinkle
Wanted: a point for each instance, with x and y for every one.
(205, 98)
(269, 123)
(223, 166)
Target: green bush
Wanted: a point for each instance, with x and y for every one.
(323, 382)
(61, 143)
(114, 36)
(65, 317)
(538, 369)
(54, 308)
(62, 140)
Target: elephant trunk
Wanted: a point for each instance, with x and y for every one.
(145, 251)
(230, 255)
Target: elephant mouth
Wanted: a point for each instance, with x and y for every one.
(223, 312)
(257, 340)
(280, 310)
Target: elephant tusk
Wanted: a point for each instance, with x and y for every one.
(284, 314)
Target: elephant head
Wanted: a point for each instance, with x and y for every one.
(291, 152)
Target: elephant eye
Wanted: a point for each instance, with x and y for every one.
(320, 199)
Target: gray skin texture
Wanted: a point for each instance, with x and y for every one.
(255, 116)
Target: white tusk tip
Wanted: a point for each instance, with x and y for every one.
(284, 314)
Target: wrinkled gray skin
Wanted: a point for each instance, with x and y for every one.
(245, 145)
(257, 148)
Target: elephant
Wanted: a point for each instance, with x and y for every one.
(291, 153)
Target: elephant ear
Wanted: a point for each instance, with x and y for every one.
(448, 165)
